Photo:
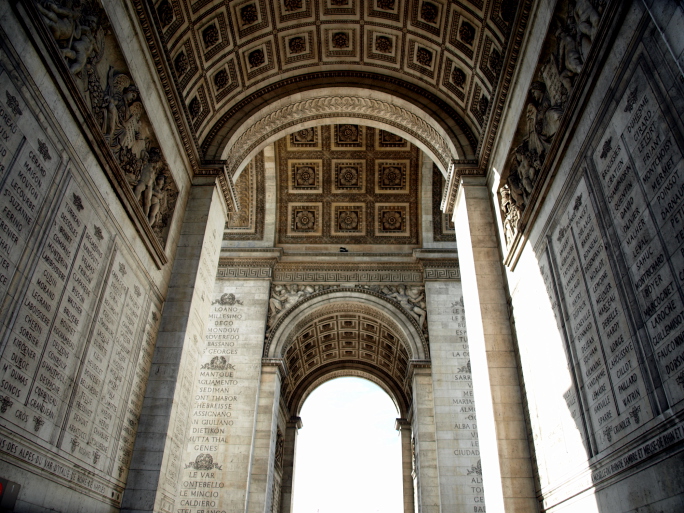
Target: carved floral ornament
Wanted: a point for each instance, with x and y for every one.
(270, 122)
(568, 45)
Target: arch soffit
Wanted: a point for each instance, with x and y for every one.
(335, 105)
(356, 300)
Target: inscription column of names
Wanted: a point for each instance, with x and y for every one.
(604, 350)
(641, 171)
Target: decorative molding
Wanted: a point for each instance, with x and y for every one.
(272, 120)
(488, 54)
(278, 363)
(443, 226)
(348, 273)
(553, 98)
(413, 365)
(409, 300)
(457, 169)
(113, 116)
(441, 270)
(242, 269)
(247, 221)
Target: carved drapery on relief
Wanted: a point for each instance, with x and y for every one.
(566, 50)
(101, 76)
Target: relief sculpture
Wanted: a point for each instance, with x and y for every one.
(567, 50)
(91, 53)
(410, 297)
(284, 297)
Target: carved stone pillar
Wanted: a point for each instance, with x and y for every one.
(289, 460)
(263, 457)
(506, 462)
(155, 465)
(404, 427)
(424, 440)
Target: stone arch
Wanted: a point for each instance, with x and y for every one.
(337, 105)
(300, 313)
(346, 333)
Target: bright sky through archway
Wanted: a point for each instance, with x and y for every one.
(348, 452)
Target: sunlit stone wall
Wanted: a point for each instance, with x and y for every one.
(597, 287)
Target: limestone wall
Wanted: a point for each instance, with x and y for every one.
(458, 449)
(596, 282)
(213, 469)
(82, 284)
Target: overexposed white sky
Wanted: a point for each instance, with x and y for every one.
(348, 456)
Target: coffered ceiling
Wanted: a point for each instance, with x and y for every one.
(223, 60)
(348, 340)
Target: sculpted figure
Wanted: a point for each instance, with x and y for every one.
(90, 43)
(570, 60)
(277, 302)
(411, 300)
(285, 296)
(148, 174)
(587, 18)
(62, 21)
(416, 298)
(158, 199)
(511, 214)
(526, 169)
(542, 119)
(113, 101)
(121, 108)
(131, 127)
(517, 191)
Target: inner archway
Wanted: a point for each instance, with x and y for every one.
(348, 453)
(344, 333)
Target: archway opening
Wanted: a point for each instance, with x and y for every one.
(348, 455)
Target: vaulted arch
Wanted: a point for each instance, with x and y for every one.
(336, 105)
(346, 333)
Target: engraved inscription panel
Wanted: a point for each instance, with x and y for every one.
(215, 446)
(458, 444)
(641, 171)
(79, 320)
(606, 354)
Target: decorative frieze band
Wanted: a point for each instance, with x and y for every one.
(289, 275)
(442, 270)
(239, 269)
